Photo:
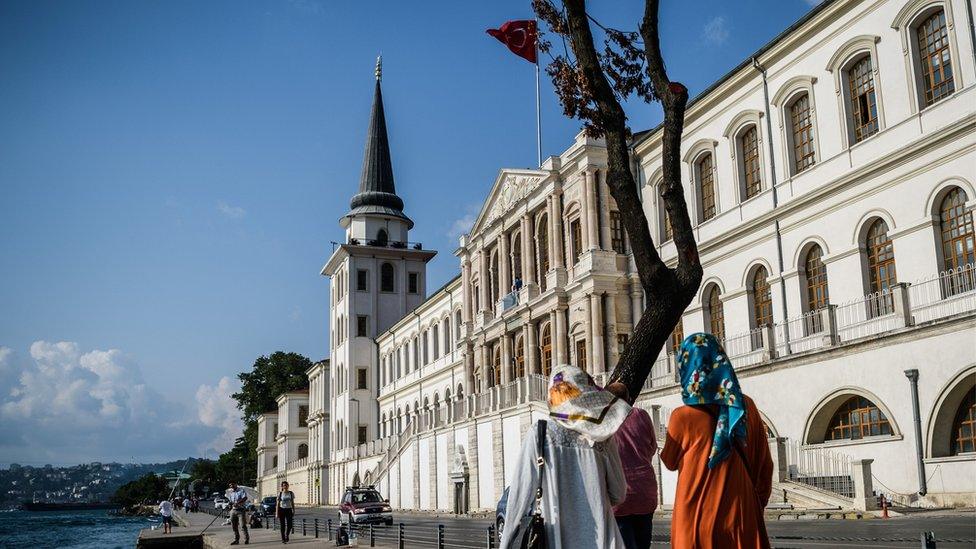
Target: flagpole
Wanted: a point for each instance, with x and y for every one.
(538, 107)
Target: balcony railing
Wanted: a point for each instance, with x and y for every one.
(948, 294)
(396, 244)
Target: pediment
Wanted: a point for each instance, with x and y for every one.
(510, 187)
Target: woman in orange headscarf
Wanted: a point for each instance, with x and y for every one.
(718, 445)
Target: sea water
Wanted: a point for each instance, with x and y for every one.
(74, 529)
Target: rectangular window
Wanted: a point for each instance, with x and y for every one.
(581, 354)
(706, 186)
(362, 326)
(361, 435)
(933, 49)
(749, 142)
(303, 416)
(576, 235)
(413, 283)
(804, 154)
(864, 106)
(274, 430)
(361, 379)
(362, 280)
(617, 233)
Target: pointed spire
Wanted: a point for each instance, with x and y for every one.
(377, 191)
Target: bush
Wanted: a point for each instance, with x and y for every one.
(149, 489)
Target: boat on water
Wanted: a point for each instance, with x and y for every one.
(71, 506)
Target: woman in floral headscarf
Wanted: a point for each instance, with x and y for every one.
(718, 445)
(582, 477)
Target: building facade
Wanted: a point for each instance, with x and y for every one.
(830, 181)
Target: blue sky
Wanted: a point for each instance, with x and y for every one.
(172, 174)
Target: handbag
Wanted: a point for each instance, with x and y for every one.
(531, 531)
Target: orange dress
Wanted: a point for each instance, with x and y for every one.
(720, 507)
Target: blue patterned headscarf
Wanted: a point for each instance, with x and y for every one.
(707, 378)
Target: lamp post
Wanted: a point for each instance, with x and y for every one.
(357, 435)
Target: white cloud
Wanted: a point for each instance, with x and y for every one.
(62, 404)
(216, 408)
(715, 31)
(230, 212)
(463, 224)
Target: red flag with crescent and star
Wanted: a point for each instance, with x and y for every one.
(520, 37)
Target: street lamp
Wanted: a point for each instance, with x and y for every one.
(357, 435)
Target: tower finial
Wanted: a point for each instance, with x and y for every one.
(379, 67)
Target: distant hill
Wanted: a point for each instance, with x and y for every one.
(77, 483)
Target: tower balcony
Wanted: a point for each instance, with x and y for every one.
(394, 244)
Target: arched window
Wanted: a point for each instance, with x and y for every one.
(542, 247)
(436, 341)
(460, 392)
(857, 418)
(519, 357)
(751, 170)
(881, 267)
(935, 61)
(457, 325)
(863, 101)
(274, 462)
(801, 127)
(964, 426)
(381, 237)
(706, 187)
(677, 336)
(716, 313)
(762, 300)
(576, 237)
(387, 278)
(446, 330)
(666, 228)
(302, 451)
(815, 273)
(956, 225)
(546, 350)
(516, 256)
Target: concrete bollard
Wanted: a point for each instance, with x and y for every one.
(303, 527)
(400, 535)
(316, 525)
(372, 536)
(440, 536)
(330, 529)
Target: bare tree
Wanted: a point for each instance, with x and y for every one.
(591, 86)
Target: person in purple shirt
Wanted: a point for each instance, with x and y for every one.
(637, 444)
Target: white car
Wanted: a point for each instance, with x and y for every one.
(221, 503)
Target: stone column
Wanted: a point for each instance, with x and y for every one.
(531, 348)
(777, 450)
(556, 255)
(592, 220)
(636, 302)
(466, 296)
(504, 269)
(864, 499)
(484, 278)
(528, 251)
(610, 318)
(486, 366)
(588, 238)
(468, 370)
(598, 330)
(559, 339)
(588, 334)
(604, 193)
(506, 358)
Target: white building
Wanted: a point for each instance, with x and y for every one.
(831, 185)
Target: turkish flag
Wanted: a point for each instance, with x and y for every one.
(520, 37)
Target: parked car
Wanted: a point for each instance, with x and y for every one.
(500, 514)
(268, 504)
(364, 505)
(221, 503)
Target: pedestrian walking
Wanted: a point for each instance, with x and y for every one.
(285, 510)
(238, 513)
(637, 444)
(717, 443)
(166, 511)
(568, 473)
(186, 505)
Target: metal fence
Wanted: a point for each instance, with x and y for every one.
(951, 293)
(820, 468)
